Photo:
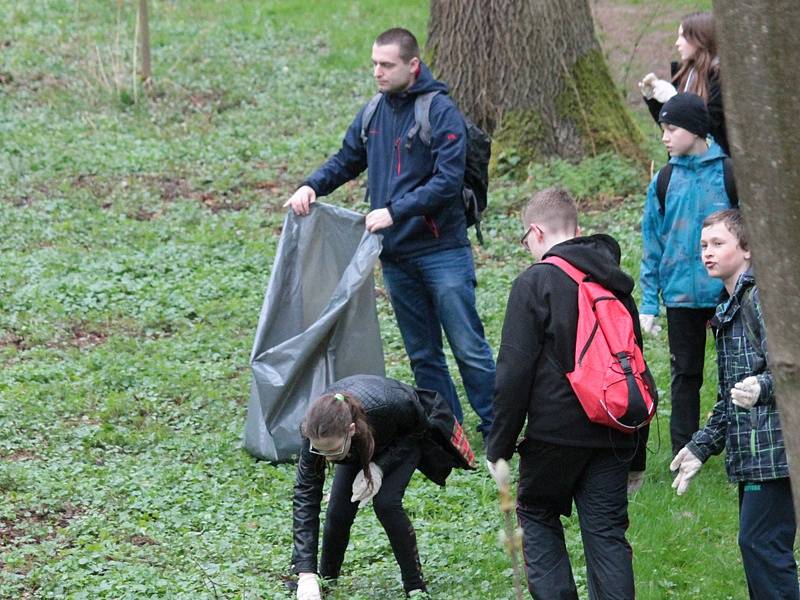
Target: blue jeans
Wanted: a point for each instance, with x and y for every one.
(433, 292)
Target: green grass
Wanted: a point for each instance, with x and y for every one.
(136, 237)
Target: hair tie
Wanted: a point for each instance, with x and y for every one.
(339, 397)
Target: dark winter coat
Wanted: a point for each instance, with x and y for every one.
(752, 439)
(537, 348)
(714, 105)
(421, 185)
(401, 418)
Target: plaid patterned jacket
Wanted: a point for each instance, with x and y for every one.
(752, 439)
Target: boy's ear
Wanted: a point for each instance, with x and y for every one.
(578, 232)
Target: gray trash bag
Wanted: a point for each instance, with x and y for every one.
(318, 324)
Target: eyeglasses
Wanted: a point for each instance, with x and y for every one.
(336, 452)
(524, 239)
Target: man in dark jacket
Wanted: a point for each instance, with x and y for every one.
(415, 201)
(564, 456)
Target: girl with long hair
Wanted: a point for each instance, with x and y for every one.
(377, 432)
(697, 72)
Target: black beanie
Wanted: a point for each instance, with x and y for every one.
(688, 111)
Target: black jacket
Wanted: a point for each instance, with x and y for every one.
(537, 348)
(401, 418)
(714, 105)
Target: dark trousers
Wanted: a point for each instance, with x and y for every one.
(766, 536)
(551, 477)
(686, 331)
(388, 506)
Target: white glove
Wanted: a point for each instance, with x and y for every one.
(648, 324)
(746, 392)
(363, 491)
(635, 481)
(687, 465)
(308, 587)
(663, 90)
(646, 85)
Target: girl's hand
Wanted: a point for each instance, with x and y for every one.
(363, 490)
(308, 587)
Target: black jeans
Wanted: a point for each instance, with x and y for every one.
(388, 506)
(686, 331)
(766, 536)
(551, 477)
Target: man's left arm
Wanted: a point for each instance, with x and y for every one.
(449, 153)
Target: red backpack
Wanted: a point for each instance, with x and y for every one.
(610, 376)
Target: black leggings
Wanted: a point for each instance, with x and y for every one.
(388, 506)
(686, 331)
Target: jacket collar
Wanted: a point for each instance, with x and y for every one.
(727, 309)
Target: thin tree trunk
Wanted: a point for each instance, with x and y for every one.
(144, 42)
(760, 50)
(531, 73)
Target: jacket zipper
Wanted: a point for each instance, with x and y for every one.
(388, 179)
(397, 148)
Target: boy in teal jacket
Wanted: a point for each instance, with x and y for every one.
(671, 266)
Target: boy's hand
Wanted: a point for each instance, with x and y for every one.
(745, 393)
(635, 482)
(646, 85)
(648, 324)
(663, 90)
(302, 200)
(687, 465)
(308, 587)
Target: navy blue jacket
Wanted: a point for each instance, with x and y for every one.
(420, 185)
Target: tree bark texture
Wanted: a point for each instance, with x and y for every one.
(532, 74)
(144, 41)
(760, 51)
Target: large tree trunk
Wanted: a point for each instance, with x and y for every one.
(532, 74)
(760, 50)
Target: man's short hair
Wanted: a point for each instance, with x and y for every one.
(405, 40)
(554, 208)
(733, 221)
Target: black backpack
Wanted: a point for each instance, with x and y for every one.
(663, 177)
(474, 194)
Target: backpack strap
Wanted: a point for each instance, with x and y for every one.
(662, 183)
(576, 275)
(730, 182)
(369, 112)
(422, 119)
(750, 318)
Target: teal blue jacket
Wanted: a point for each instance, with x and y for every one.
(671, 263)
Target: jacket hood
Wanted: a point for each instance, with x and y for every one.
(694, 161)
(425, 83)
(596, 255)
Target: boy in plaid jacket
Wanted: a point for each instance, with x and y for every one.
(745, 420)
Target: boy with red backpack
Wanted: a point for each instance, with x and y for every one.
(566, 456)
